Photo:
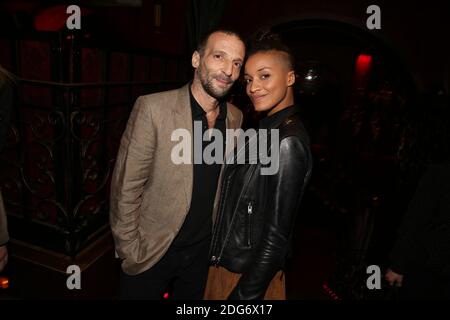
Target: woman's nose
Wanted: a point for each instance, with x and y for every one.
(254, 86)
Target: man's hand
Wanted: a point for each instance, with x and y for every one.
(3, 257)
(393, 278)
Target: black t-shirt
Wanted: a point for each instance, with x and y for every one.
(198, 223)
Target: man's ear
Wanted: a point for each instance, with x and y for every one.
(196, 59)
(291, 78)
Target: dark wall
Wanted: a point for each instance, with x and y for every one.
(122, 26)
(134, 26)
(414, 30)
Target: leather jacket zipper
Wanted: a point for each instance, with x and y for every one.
(216, 259)
(224, 191)
(249, 223)
(227, 237)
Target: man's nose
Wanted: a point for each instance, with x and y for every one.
(228, 69)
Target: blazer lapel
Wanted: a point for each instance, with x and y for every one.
(183, 120)
(231, 123)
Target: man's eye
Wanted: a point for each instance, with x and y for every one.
(238, 65)
(218, 56)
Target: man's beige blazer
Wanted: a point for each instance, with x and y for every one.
(150, 194)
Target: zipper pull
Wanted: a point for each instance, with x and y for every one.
(215, 260)
(250, 208)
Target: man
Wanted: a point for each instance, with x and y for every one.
(161, 212)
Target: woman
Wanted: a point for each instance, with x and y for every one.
(255, 215)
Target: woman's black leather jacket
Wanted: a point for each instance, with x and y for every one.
(255, 216)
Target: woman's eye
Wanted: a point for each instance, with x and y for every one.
(265, 76)
(247, 81)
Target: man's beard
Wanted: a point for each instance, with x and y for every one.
(207, 83)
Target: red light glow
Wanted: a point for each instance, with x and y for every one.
(362, 70)
(4, 283)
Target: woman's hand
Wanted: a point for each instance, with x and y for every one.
(394, 278)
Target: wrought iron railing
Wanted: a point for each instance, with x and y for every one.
(58, 161)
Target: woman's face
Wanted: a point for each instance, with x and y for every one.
(268, 79)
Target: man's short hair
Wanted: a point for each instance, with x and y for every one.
(204, 40)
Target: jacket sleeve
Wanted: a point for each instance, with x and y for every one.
(285, 190)
(6, 105)
(408, 250)
(4, 237)
(131, 173)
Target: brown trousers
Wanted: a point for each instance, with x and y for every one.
(221, 282)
